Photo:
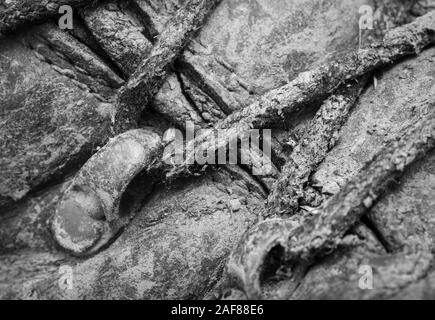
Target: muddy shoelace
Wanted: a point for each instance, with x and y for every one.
(304, 238)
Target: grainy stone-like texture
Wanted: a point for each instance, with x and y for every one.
(288, 193)
(27, 227)
(119, 34)
(402, 94)
(263, 45)
(57, 100)
(242, 52)
(150, 75)
(404, 218)
(51, 118)
(175, 247)
(278, 105)
(91, 211)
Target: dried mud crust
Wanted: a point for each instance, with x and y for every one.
(401, 223)
(177, 245)
(194, 95)
(54, 113)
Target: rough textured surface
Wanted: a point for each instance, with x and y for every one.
(117, 30)
(380, 113)
(402, 220)
(310, 86)
(221, 63)
(177, 245)
(218, 66)
(156, 14)
(119, 34)
(175, 106)
(263, 45)
(407, 221)
(288, 191)
(147, 80)
(75, 60)
(305, 238)
(91, 212)
(27, 227)
(50, 122)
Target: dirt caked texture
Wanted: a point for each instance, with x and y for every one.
(59, 92)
